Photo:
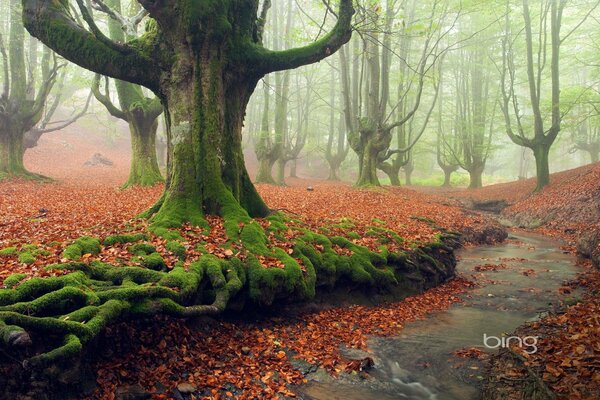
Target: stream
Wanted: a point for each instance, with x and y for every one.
(420, 365)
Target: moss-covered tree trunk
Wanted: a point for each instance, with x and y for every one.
(11, 147)
(204, 60)
(542, 166)
(369, 161)
(475, 179)
(206, 107)
(144, 170)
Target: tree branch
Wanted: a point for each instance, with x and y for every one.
(50, 22)
(265, 61)
(105, 99)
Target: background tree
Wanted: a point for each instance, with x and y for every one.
(139, 111)
(546, 124)
(23, 96)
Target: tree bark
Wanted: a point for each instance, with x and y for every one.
(11, 148)
(475, 177)
(542, 166)
(144, 170)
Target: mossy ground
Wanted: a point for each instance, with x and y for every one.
(176, 272)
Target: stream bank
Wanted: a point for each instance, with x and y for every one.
(518, 283)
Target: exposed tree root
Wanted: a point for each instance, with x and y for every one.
(76, 307)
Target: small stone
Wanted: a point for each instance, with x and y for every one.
(186, 388)
(133, 392)
(245, 350)
(310, 188)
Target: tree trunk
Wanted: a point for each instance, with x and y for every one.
(447, 177)
(475, 176)
(280, 171)
(11, 151)
(333, 173)
(408, 170)
(394, 178)
(205, 117)
(594, 153)
(144, 169)
(263, 175)
(293, 166)
(368, 166)
(542, 166)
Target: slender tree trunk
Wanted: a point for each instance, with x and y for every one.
(541, 153)
(447, 177)
(408, 170)
(144, 169)
(293, 166)
(280, 171)
(594, 153)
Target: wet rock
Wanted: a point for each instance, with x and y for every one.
(186, 388)
(133, 392)
(98, 159)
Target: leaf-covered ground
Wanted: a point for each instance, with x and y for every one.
(220, 358)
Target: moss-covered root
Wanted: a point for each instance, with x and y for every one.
(77, 306)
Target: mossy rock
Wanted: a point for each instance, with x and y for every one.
(13, 280)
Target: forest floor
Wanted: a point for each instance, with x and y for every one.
(232, 358)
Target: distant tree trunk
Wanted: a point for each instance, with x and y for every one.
(475, 173)
(542, 165)
(144, 170)
(408, 170)
(293, 166)
(447, 177)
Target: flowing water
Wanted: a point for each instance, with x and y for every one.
(419, 364)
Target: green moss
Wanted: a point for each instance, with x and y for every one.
(8, 251)
(141, 249)
(124, 238)
(153, 261)
(26, 258)
(353, 235)
(81, 246)
(165, 233)
(177, 248)
(13, 280)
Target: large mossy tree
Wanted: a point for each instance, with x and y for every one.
(203, 59)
